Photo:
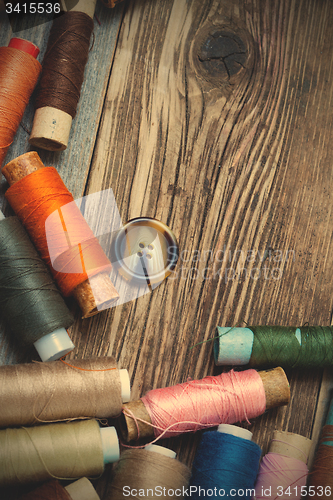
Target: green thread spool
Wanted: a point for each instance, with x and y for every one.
(56, 451)
(301, 347)
(29, 299)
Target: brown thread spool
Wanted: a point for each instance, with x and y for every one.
(274, 381)
(95, 293)
(151, 470)
(19, 72)
(46, 392)
(53, 490)
(53, 118)
(321, 476)
(56, 451)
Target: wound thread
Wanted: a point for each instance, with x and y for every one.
(227, 463)
(79, 255)
(19, 73)
(321, 476)
(53, 451)
(199, 404)
(294, 347)
(36, 393)
(29, 299)
(143, 469)
(64, 62)
(48, 491)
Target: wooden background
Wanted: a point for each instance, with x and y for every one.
(215, 117)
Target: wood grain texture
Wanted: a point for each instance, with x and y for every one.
(238, 167)
(217, 121)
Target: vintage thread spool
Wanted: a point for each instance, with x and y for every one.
(154, 468)
(37, 393)
(321, 476)
(283, 471)
(19, 72)
(53, 490)
(29, 299)
(38, 196)
(56, 451)
(306, 346)
(62, 76)
(227, 398)
(226, 464)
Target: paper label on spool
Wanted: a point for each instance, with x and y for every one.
(233, 346)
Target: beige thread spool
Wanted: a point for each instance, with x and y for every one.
(58, 451)
(37, 393)
(276, 388)
(153, 468)
(51, 127)
(95, 293)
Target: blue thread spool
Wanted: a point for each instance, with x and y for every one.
(226, 464)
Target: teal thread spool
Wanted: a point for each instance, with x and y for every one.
(301, 347)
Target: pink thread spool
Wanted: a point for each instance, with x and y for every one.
(283, 471)
(199, 404)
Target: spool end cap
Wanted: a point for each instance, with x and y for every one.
(234, 430)
(54, 345)
(110, 445)
(125, 385)
(25, 46)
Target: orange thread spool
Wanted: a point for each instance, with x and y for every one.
(19, 72)
(34, 198)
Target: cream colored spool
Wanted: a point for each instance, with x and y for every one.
(290, 445)
(51, 127)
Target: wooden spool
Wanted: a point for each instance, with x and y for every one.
(51, 127)
(97, 292)
(291, 445)
(277, 392)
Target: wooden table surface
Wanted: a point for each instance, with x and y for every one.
(215, 117)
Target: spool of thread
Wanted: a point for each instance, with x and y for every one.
(321, 477)
(79, 266)
(36, 393)
(62, 76)
(306, 346)
(53, 490)
(29, 299)
(19, 72)
(227, 398)
(283, 471)
(56, 451)
(153, 470)
(226, 464)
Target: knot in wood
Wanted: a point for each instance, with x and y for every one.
(223, 54)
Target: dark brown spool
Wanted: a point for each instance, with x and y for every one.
(321, 476)
(48, 491)
(64, 62)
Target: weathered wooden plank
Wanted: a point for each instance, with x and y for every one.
(74, 163)
(238, 166)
